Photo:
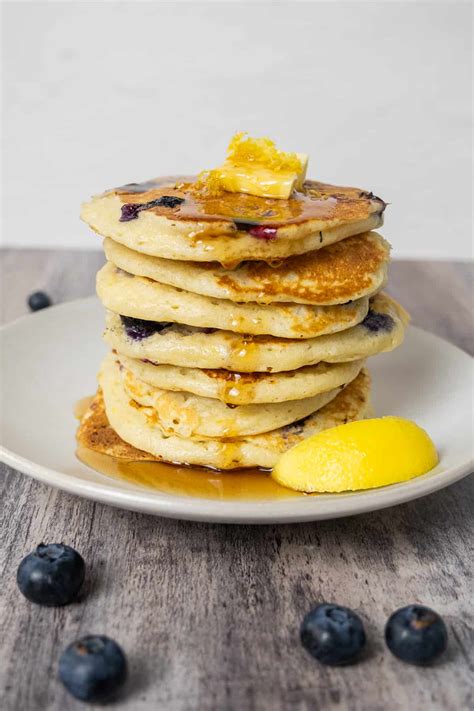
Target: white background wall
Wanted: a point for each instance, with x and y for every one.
(97, 94)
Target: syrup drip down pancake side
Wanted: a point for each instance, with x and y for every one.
(165, 343)
(141, 298)
(189, 415)
(168, 218)
(138, 438)
(344, 271)
(245, 388)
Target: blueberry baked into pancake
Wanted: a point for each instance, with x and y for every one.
(241, 306)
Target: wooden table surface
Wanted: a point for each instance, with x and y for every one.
(209, 614)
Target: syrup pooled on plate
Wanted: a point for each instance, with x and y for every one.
(238, 485)
(180, 480)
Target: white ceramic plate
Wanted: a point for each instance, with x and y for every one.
(49, 362)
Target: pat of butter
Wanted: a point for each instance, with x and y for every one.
(255, 179)
(255, 166)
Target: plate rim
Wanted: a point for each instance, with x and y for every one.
(235, 511)
(239, 512)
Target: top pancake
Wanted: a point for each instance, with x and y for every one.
(204, 228)
(339, 273)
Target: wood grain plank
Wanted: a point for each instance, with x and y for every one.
(209, 614)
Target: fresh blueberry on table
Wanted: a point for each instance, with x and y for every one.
(38, 300)
(93, 668)
(416, 634)
(51, 575)
(332, 634)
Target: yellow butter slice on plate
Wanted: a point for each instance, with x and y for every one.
(359, 455)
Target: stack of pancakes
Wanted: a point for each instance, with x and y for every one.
(238, 325)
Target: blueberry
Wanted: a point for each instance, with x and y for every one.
(130, 210)
(38, 300)
(416, 634)
(170, 201)
(137, 328)
(264, 232)
(332, 634)
(375, 321)
(93, 668)
(257, 230)
(51, 575)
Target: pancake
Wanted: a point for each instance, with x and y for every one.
(342, 272)
(245, 388)
(141, 298)
(131, 423)
(188, 415)
(382, 330)
(204, 228)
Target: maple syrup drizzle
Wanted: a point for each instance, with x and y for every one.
(316, 201)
